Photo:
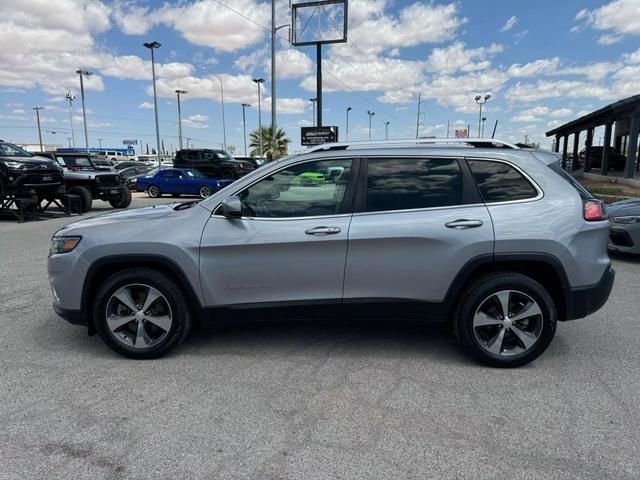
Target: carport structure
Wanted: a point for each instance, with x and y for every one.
(621, 118)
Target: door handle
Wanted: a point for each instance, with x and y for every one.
(320, 231)
(463, 224)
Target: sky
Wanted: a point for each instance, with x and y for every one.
(544, 63)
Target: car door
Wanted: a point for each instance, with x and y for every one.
(418, 221)
(290, 244)
(170, 181)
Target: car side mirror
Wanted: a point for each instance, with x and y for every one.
(231, 207)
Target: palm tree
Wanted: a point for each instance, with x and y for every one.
(272, 150)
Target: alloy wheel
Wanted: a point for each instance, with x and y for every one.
(507, 323)
(153, 191)
(205, 191)
(138, 316)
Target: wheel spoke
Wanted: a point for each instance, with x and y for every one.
(124, 295)
(152, 296)
(496, 344)
(530, 310)
(503, 298)
(525, 337)
(162, 321)
(481, 319)
(117, 321)
(142, 339)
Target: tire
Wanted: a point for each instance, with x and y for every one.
(205, 191)
(524, 333)
(123, 200)
(86, 200)
(228, 174)
(170, 310)
(153, 191)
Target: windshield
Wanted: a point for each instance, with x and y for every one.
(10, 150)
(223, 154)
(73, 161)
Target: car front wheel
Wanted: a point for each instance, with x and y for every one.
(141, 313)
(506, 320)
(153, 191)
(205, 191)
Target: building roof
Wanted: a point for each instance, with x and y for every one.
(610, 112)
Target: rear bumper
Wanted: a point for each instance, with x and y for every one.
(587, 300)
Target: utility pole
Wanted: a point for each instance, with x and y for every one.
(84, 73)
(70, 96)
(348, 110)
(386, 130)
(258, 82)
(273, 76)
(418, 118)
(244, 127)
(313, 102)
(447, 128)
(37, 109)
(318, 81)
(152, 46)
(371, 114)
(100, 142)
(178, 92)
(484, 119)
(224, 124)
(69, 140)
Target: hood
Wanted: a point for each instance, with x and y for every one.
(631, 206)
(34, 161)
(135, 215)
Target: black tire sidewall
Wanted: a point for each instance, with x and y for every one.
(203, 187)
(123, 200)
(484, 288)
(180, 311)
(86, 199)
(149, 191)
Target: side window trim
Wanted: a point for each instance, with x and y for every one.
(349, 194)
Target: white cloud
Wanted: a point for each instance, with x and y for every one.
(287, 105)
(18, 110)
(609, 39)
(593, 71)
(146, 105)
(455, 57)
(561, 113)
(530, 92)
(198, 118)
(618, 16)
(537, 67)
(509, 24)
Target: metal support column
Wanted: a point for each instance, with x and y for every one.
(606, 149)
(319, 82)
(565, 147)
(587, 150)
(556, 146)
(632, 146)
(576, 144)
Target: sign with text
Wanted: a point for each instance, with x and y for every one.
(462, 133)
(312, 136)
(129, 142)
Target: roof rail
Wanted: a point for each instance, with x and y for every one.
(427, 142)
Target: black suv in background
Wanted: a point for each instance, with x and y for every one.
(83, 178)
(212, 163)
(24, 173)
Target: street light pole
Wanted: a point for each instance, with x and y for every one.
(152, 46)
(70, 96)
(84, 73)
(371, 114)
(484, 119)
(313, 102)
(258, 82)
(244, 126)
(224, 125)
(347, 133)
(37, 109)
(178, 92)
(481, 100)
(386, 130)
(100, 142)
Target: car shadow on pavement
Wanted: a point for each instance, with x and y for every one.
(625, 257)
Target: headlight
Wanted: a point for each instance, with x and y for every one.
(63, 244)
(630, 219)
(18, 165)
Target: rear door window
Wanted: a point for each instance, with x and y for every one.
(500, 182)
(410, 183)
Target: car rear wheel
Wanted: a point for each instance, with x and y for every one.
(228, 174)
(123, 200)
(153, 191)
(86, 200)
(205, 191)
(141, 313)
(506, 320)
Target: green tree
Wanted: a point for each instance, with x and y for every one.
(271, 149)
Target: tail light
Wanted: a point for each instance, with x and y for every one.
(594, 210)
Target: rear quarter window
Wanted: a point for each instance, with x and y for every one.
(500, 182)
(582, 191)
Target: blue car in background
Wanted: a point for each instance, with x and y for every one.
(179, 181)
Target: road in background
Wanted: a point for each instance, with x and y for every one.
(308, 400)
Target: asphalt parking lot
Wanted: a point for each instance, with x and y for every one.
(308, 400)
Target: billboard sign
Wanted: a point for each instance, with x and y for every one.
(312, 136)
(129, 142)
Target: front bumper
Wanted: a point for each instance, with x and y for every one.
(587, 300)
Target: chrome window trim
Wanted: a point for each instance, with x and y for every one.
(280, 219)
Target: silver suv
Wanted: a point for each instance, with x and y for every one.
(494, 239)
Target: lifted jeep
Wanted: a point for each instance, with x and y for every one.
(83, 178)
